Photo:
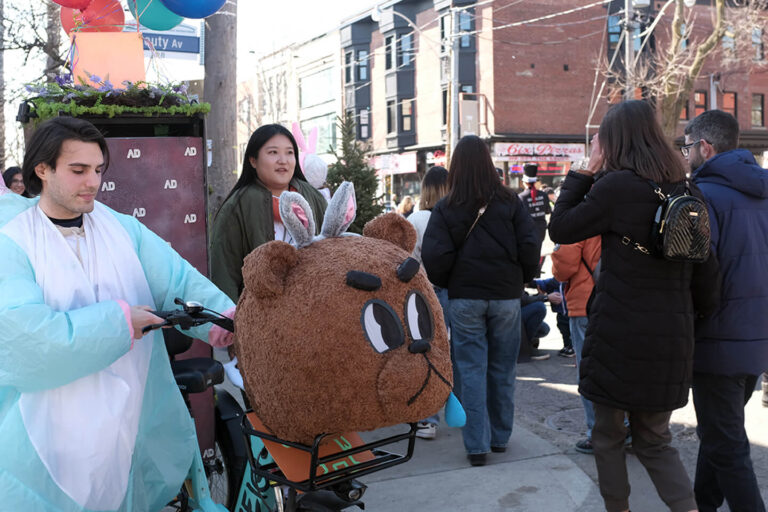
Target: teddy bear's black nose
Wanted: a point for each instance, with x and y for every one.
(419, 347)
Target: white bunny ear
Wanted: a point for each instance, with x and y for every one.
(341, 211)
(297, 218)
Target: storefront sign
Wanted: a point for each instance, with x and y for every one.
(543, 151)
(395, 163)
(436, 157)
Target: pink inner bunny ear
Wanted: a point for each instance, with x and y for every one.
(299, 136)
(300, 214)
(312, 142)
(350, 214)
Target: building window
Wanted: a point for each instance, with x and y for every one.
(391, 116)
(363, 123)
(465, 25)
(758, 118)
(444, 21)
(388, 43)
(348, 67)
(728, 42)
(684, 112)
(362, 65)
(699, 102)
(406, 49)
(729, 103)
(445, 106)
(316, 88)
(407, 115)
(614, 34)
(683, 38)
(467, 88)
(757, 44)
(326, 131)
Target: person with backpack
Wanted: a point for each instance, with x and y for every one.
(638, 351)
(732, 344)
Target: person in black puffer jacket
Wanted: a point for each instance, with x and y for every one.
(480, 245)
(638, 351)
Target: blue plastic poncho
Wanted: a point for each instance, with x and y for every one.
(42, 349)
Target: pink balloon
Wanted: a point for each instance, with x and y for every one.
(100, 16)
(74, 4)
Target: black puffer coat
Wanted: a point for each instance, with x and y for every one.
(492, 263)
(638, 350)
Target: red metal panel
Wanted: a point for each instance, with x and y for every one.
(161, 181)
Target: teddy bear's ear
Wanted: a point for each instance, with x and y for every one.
(341, 211)
(394, 228)
(297, 218)
(266, 267)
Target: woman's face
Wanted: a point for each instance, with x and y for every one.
(275, 163)
(17, 184)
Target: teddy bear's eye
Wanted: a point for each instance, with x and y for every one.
(381, 326)
(418, 316)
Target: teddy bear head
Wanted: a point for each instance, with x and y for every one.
(343, 332)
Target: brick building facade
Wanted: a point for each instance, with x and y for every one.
(529, 78)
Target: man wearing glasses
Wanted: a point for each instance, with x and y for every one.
(732, 344)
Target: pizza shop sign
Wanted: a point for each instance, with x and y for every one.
(538, 151)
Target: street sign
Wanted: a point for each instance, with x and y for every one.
(165, 42)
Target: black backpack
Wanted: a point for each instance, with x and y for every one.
(680, 230)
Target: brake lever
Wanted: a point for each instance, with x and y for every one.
(151, 327)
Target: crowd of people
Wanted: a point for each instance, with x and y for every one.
(643, 330)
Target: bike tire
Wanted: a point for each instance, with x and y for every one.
(222, 480)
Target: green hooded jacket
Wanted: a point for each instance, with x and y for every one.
(245, 222)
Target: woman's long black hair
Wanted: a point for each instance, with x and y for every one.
(472, 178)
(255, 143)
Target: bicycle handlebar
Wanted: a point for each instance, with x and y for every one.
(190, 315)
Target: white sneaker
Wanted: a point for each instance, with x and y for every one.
(426, 430)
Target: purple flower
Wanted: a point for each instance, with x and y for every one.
(95, 78)
(64, 80)
(106, 87)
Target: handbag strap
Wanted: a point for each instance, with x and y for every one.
(480, 213)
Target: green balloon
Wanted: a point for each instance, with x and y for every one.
(153, 14)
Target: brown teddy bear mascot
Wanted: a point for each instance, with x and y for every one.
(343, 332)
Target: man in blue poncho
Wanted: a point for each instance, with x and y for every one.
(90, 415)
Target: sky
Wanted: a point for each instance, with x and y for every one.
(263, 28)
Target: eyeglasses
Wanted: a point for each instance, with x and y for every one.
(686, 150)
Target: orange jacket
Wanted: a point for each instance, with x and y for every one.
(568, 267)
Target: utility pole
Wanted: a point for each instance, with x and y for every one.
(629, 50)
(453, 131)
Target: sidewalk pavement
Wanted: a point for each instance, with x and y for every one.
(540, 471)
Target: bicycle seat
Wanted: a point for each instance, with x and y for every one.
(197, 374)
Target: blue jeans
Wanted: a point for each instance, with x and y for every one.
(578, 330)
(533, 319)
(486, 341)
(442, 296)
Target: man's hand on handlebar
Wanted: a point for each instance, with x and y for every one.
(141, 317)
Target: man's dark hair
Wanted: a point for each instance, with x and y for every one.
(45, 146)
(718, 128)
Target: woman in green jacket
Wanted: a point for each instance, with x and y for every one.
(248, 218)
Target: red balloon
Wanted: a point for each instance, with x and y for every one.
(100, 16)
(74, 4)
